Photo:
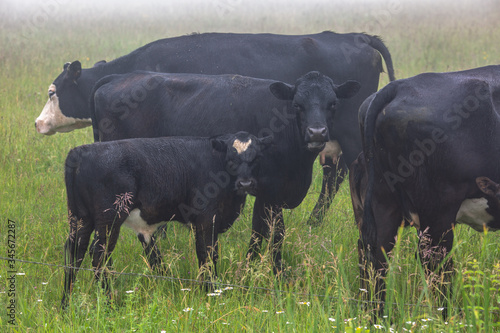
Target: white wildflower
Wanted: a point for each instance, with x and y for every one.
(213, 294)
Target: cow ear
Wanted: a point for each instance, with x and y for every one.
(99, 63)
(74, 70)
(219, 145)
(282, 91)
(487, 186)
(66, 66)
(347, 89)
(266, 142)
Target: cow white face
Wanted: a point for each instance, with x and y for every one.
(52, 120)
(67, 108)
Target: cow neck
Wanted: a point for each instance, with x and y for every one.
(91, 75)
(298, 148)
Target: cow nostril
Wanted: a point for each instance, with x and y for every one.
(35, 124)
(317, 131)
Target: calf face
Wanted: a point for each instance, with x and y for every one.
(243, 153)
(314, 98)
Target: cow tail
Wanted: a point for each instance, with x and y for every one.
(93, 116)
(379, 45)
(368, 225)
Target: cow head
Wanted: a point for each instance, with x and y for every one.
(314, 99)
(243, 152)
(66, 107)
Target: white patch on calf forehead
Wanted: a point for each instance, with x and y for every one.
(136, 223)
(240, 146)
(52, 120)
(473, 213)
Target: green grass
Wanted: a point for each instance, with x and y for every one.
(321, 286)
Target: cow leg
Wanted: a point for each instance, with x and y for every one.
(152, 252)
(109, 262)
(277, 234)
(207, 251)
(333, 175)
(106, 237)
(74, 252)
(372, 256)
(258, 229)
(267, 219)
(435, 243)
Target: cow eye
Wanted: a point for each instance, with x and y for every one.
(297, 106)
(332, 105)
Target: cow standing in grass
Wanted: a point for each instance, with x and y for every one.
(142, 183)
(352, 56)
(427, 141)
(300, 117)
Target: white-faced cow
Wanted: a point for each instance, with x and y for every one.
(427, 139)
(299, 117)
(142, 183)
(342, 57)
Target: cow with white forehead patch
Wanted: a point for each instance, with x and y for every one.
(351, 56)
(300, 117)
(143, 183)
(430, 142)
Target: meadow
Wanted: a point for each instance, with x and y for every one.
(320, 290)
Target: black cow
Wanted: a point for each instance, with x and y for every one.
(426, 141)
(343, 57)
(298, 116)
(142, 183)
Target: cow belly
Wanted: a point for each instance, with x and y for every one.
(473, 213)
(140, 226)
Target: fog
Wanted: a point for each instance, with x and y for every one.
(226, 9)
(176, 17)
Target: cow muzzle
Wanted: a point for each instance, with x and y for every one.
(316, 138)
(42, 128)
(246, 186)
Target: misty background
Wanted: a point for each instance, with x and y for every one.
(293, 16)
(421, 33)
